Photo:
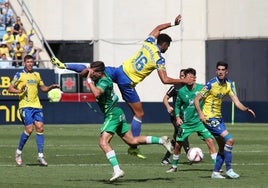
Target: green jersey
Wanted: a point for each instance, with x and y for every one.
(184, 106)
(108, 99)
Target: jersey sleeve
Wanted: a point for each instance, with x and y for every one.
(232, 88)
(15, 79)
(177, 107)
(171, 92)
(102, 84)
(205, 90)
(161, 63)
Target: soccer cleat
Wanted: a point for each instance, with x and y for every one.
(217, 175)
(231, 174)
(171, 169)
(165, 161)
(55, 61)
(167, 144)
(18, 159)
(136, 152)
(42, 161)
(117, 175)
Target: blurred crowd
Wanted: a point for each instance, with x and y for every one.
(15, 41)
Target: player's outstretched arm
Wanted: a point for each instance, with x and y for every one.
(157, 29)
(240, 106)
(165, 79)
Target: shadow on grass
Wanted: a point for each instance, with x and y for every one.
(124, 180)
(35, 164)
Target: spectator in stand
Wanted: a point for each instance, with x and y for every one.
(4, 49)
(17, 26)
(2, 22)
(9, 39)
(5, 62)
(8, 14)
(30, 34)
(2, 4)
(21, 38)
(18, 55)
(34, 51)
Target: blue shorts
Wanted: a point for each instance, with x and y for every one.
(128, 91)
(30, 115)
(216, 126)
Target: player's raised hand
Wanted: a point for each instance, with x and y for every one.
(177, 20)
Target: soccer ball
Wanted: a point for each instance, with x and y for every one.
(54, 95)
(195, 154)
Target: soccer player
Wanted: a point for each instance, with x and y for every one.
(26, 83)
(101, 86)
(172, 93)
(212, 94)
(134, 70)
(188, 120)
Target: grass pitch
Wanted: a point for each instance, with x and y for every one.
(75, 160)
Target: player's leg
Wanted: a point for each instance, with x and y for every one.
(228, 146)
(23, 139)
(112, 124)
(212, 149)
(28, 123)
(40, 140)
(140, 140)
(39, 137)
(75, 67)
(55, 61)
(184, 132)
(104, 143)
(130, 95)
(165, 160)
(136, 126)
(206, 136)
(176, 157)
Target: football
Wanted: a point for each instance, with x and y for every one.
(54, 95)
(195, 154)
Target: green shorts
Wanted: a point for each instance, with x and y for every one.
(198, 128)
(115, 122)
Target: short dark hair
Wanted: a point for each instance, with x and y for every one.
(222, 63)
(190, 71)
(98, 66)
(163, 38)
(27, 57)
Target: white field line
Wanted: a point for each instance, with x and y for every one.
(132, 164)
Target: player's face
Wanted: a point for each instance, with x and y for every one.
(164, 47)
(95, 75)
(182, 75)
(192, 79)
(221, 72)
(28, 65)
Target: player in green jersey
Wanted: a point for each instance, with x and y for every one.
(188, 120)
(101, 86)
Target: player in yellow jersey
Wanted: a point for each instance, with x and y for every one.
(26, 83)
(212, 94)
(134, 70)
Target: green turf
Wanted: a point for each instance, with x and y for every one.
(75, 160)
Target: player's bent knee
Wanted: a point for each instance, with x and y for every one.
(228, 138)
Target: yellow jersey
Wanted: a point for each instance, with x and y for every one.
(29, 98)
(22, 39)
(147, 59)
(213, 93)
